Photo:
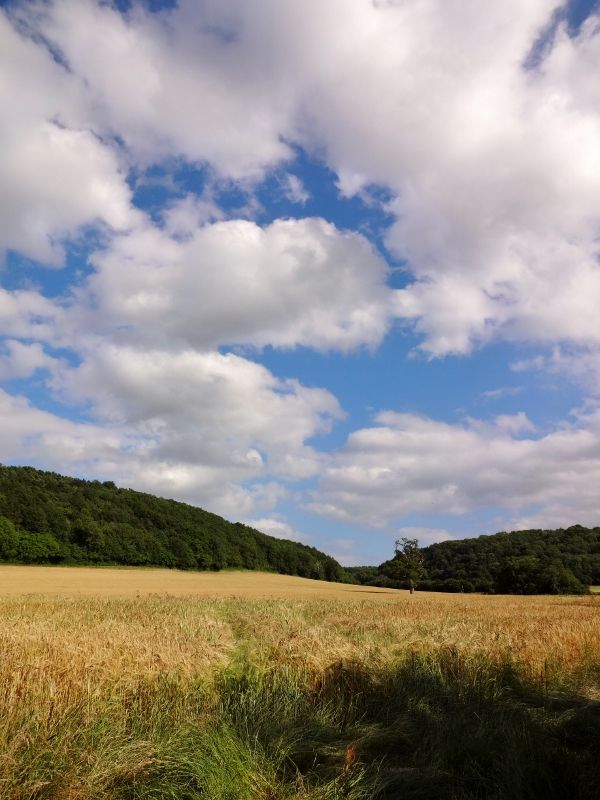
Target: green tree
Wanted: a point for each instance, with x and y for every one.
(407, 565)
(93, 522)
(38, 548)
(9, 540)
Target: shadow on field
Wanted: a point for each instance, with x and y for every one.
(444, 726)
(434, 727)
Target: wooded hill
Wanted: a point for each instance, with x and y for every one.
(52, 519)
(563, 561)
(49, 518)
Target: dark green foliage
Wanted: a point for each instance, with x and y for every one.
(444, 726)
(49, 518)
(38, 548)
(9, 540)
(407, 566)
(563, 561)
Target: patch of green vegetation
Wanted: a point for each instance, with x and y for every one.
(46, 518)
(563, 561)
(444, 726)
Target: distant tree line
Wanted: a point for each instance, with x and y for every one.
(46, 518)
(563, 561)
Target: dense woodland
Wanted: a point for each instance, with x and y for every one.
(564, 561)
(49, 518)
(46, 518)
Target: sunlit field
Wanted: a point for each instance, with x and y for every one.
(123, 582)
(158, 684)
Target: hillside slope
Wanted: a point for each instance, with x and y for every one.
(50, 518)
(562, 561)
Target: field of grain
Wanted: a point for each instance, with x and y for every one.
(155, 684)
(131, 582)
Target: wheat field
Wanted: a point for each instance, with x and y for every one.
(150, 683)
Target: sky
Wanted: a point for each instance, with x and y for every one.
(327, 268)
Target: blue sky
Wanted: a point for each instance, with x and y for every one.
(329, 269)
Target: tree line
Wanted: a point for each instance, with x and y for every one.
(47, 518)
(563, 561)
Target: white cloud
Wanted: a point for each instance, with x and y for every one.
(579, 364)
(408, 464)
(56, 175)
(185, 216)
(22, 360)
(233, 282)
(294, 189)
(125, 454)
(494, 169)
(501, 392)
(32, 436)
(279, 528)
(494, 176)
(180, 83)
(206, 408)
(214, 429)
(28, 314)
(511, 424)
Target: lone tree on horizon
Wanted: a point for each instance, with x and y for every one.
(407, 564)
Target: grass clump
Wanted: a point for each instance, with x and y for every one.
(435, 726)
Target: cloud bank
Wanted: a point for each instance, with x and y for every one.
(488, 162)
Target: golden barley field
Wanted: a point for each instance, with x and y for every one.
(130, 582)
(130, 622)
(111, 679)
(126, 623)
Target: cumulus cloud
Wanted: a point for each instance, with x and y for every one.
(494, 168)
(579, 364)
(294, 189)
(183, 217)
(124, 454)
(408, 464)
(294, 282)
(19, 360)
(210, 428)
(56, 174)
(28, 314)
(182, 82)
(209, 407)
(190, 425)
(492, 172)
(32, 436)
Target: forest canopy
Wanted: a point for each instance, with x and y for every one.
(563, 561)
(49, 518)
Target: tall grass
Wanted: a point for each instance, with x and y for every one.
(425, 697)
